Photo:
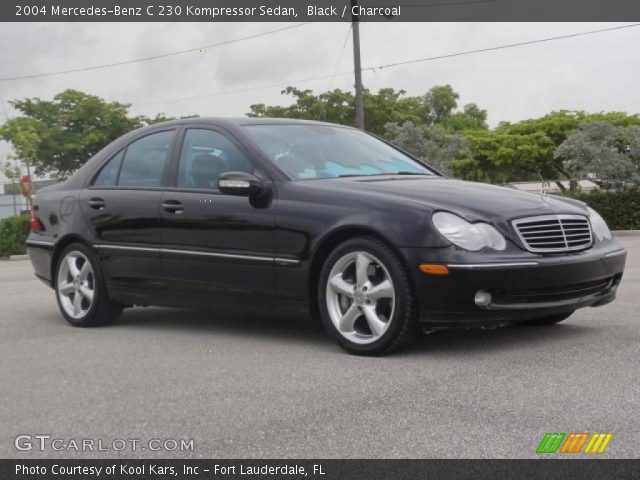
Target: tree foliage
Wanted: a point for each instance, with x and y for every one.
(432, 144)
(605, 151)
(59, 135)
(437, 107)
(498, 157)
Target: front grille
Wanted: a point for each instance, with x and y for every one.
(554, 233)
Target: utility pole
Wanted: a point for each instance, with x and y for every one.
(355, 23)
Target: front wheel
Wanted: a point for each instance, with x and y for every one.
(550, 320)
(80, 290)
(365, 297)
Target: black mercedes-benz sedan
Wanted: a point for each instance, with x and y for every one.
(296, 216)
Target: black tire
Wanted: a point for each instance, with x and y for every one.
(403, 323)
(545, 321)
(102, 310)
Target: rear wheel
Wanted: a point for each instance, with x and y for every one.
(550, 320)
(365, 297)
(80, 290)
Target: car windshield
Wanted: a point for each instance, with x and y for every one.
(307, 152)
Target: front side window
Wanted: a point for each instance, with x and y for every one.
(144, 160)
(323, 151)
(207, 154)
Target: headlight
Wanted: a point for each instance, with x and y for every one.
(598, 225)
(470, 236)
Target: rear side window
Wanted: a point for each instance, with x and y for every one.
(108, 176)
(144, 160)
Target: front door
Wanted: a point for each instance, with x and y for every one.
(214, 243)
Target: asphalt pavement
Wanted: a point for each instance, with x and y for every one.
(263, 387)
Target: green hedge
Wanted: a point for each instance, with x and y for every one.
(621, 210)
(13, 234)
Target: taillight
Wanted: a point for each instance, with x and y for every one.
(36, 226)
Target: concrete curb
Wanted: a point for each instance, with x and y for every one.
(15, 258)
(626, 233)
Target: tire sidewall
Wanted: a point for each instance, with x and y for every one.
(397, 272)
(99, 289)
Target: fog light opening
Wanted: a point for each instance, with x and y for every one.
(482, 298)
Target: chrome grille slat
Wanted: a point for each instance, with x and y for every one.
(554, 233)
(547, 240)
(541, 225)
(547, 230)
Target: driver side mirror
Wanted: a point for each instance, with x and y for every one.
(241, 184)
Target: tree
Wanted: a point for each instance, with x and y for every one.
(442, 100)
(471, 118)
(602, 150)
(23, 134)
(558, 126)
(60, 135)
(431, 144)
(436, 107)
(12, 171)
(497, 157)
(335, 106)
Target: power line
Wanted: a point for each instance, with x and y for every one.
(242, 90)
(502, 47)
(152, 57)
(392, 65)
(335, 70)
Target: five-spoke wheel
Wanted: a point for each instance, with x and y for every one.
(360, 297)
(76, 284)
(365, 297)
(80, 290)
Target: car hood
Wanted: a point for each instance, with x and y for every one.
(474, 201)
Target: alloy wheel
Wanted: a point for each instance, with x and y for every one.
(360, 297)
(76, 284)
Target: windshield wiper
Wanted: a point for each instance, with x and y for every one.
(383, 173)
(413, 173)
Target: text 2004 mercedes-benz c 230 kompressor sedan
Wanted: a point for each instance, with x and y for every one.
(306, 216)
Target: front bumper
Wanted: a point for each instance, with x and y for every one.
(522, 285)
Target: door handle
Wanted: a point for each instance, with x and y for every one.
(173, 206)
(97, 203)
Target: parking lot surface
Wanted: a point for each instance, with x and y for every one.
(249, 387)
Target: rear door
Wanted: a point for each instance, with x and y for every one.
(122, 207)
(214, 243)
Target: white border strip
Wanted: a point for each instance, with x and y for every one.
(258, 258)
(464, 266)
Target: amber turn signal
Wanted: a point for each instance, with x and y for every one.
(434, 269)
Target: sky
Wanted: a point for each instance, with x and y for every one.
(594, 73)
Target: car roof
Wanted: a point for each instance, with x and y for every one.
(240, 121)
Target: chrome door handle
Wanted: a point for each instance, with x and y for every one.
(97, 203)
(173, 206)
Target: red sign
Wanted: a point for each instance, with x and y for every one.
(26, 187)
